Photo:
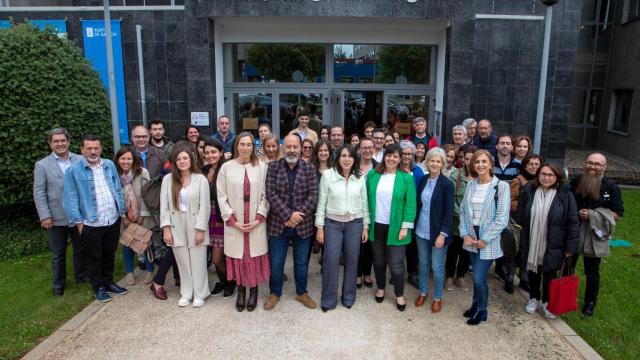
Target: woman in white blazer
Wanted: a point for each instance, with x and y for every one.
(185, 207)
(244, 208)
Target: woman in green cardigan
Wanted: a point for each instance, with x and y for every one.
(392, 207)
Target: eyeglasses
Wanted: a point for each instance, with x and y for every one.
(378, 138)
(547, 175)
(140, 136)
(595, 164)
(407, 154)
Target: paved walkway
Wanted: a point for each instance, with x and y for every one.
(137, 326)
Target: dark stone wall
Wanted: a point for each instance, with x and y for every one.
(165, 69)
(492, 66)
(623, 74)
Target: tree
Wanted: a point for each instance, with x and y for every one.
(411, 61)
(279, 61)
(45, 82)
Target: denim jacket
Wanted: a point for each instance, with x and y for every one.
(79, 195)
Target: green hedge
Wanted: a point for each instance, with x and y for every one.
(21, 234)
(45, 82)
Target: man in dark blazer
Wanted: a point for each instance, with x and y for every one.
(48, 183)
(292, 192)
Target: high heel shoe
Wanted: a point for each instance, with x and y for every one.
(253, 299)
(478, 317)
(401, 307)
(240, 299)
(470, 311)
(379, 299)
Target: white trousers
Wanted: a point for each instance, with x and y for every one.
(194, 278)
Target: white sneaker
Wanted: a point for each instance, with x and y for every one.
(548, 314)
(532, 306)
(198, 303)
(184, 302)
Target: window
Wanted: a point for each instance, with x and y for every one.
(277, 63)
(620, 111)
(382, 64)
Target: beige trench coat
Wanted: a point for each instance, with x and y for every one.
(199, 209)
(229, 186)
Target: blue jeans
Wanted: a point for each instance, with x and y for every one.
(129, 257)
(278, 247)
(480, 287)
(430, 256)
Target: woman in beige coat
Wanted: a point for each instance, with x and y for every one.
(185, 207)
(243, 207)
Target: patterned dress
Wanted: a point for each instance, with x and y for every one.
(248, 271)
(216, 230)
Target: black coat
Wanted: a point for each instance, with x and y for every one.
(563, 229)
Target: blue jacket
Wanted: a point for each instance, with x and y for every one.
(441, 211)
(227, 144)
(489, 144)
(79, 195)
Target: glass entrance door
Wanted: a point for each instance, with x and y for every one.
(401, 108)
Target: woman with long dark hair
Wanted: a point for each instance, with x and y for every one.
(185, 206)
(392, 208)
(132, 176)
(342, 222)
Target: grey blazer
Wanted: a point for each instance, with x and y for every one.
(48, 183)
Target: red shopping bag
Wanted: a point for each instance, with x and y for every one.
(563, 293)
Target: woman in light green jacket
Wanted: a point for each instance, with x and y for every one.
(392, 208)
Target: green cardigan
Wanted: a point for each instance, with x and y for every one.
(403, 206)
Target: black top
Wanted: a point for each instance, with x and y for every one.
(610, 196)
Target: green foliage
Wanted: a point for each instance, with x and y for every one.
(279, 61)
(412, 61)
(45, 82)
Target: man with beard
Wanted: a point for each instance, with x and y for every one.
(592, 190)
(156, 128)
(292, 192)
(485, 139)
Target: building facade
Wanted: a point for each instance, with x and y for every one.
(346, 61)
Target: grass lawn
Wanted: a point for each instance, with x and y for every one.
(28, 311)
(614, 331)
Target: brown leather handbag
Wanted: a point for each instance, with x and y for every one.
(137, 237)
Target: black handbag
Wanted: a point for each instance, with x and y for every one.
(510, 236)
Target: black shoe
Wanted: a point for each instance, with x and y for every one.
(588, 308)
(401, 307)
(58, 292)
(368, 284)
(229, 290)
(102, 296)
(115, 289)
(379, 299)
(478, 317)
(217, 289)
(508, 287)
(347, 306)
(253, 299)
(324, 309)
(470, 311)
(414, 280)
(240, 298)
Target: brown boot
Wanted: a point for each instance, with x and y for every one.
(271, 302)
(305, 300)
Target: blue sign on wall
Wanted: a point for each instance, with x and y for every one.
(59, 26)
(95, 50)
(5, 24)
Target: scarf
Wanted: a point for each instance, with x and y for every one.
(130, 200)
(538, 227)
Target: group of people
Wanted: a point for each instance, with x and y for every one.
(378, 201)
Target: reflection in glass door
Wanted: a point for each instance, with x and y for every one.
(293, 104)
(402, 109)
(250, 109)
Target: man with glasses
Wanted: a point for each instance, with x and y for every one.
(152, 158)
(48, 183)
(594, 190)
(485, 139)
(378, 144)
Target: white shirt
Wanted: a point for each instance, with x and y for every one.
(477, 201)
(378, 157)
(62, 163)
(384, 194)
(184, 200)
(106, 208)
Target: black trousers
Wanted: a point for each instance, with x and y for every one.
(534, 284)
(592, 273)
(101, 244)
(58, 238)
(384, 255)
(167, 262)
(365, 260)
(412, 255)
(457, 262)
